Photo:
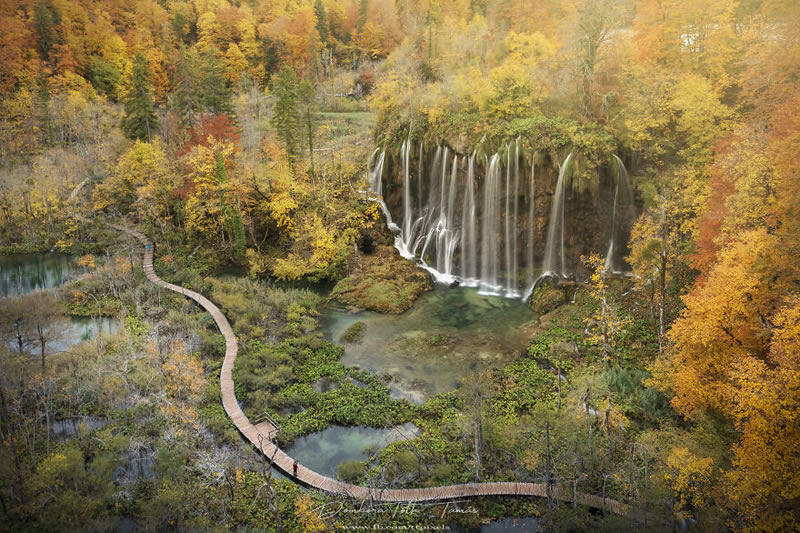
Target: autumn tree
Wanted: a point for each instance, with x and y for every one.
(142, 181)
(725, 319)
(235, 64)
(689, 477)
(609, 319)
(140, 120)
(762, 486)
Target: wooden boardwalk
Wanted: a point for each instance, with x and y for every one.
(259, 436)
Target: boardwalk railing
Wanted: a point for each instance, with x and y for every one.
(261, 436)
(265, 417)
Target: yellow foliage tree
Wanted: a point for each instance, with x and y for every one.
(689, 477)
(725, 320)
(515, 91)
(308, 515)
(235, 64)
(183, 374)
(763, 487)
(204, 209)
(608, 323)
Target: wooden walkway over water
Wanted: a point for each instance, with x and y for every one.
(259, 435)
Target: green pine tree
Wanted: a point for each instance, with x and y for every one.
(41, 108)
(307, 100)
(215, 93)
(322, 21)
(233, 218)
(45, 20)
(186, 100)
(285, 113)
(140, 120)
(104, 77)
(363, 6)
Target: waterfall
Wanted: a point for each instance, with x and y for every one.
(531, 222)
(467, 207)
(420, 180)
(613, 262)
(554, 263)
(507, 217)
(407, 214)
(514, 277)
(451, 195)
(469, 253)
(491, 214)
(375, 177)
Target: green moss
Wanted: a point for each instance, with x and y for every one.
(354, 333)
(386, 283)
(545, 299)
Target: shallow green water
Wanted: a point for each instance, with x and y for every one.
(23, 273)
(323, 450)
(80, 329)
(429, 348)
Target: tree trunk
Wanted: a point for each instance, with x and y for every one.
(559, 385)
(548, 478)
(310, 141)
(575, 493)
(42, 343)
(478, 451)
(662, 288)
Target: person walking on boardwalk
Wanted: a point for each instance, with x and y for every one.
(294, 468)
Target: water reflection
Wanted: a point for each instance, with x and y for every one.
(24, 273)
(323, 450)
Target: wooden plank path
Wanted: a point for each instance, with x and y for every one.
(259, 436)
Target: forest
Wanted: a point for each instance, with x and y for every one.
(545, 242)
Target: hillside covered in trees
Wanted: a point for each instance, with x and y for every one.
(548, 241)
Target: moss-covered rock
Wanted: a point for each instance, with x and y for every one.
(354, 333)
(546, 298)
(384, 282)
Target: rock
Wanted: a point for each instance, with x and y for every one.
(387, 283)
(546, 298)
